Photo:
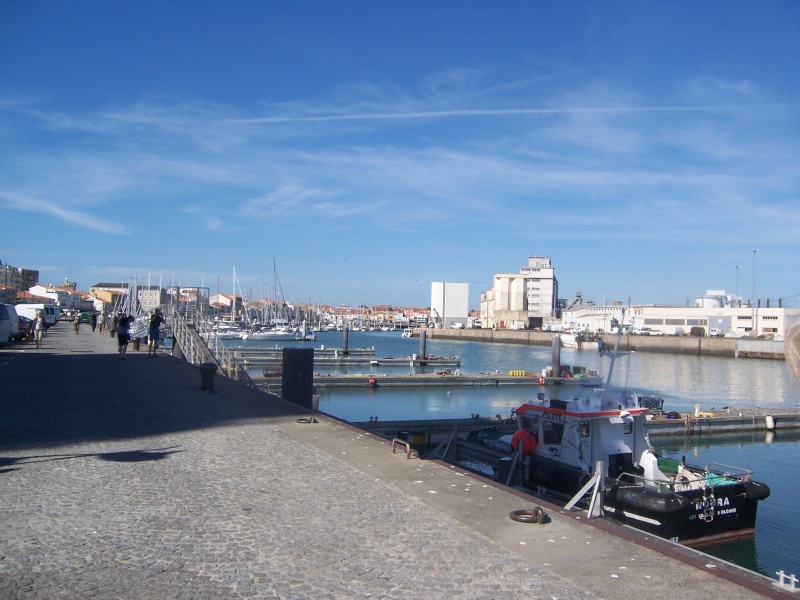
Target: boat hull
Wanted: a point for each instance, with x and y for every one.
(691, 517)
(266, 336)
(695, 518)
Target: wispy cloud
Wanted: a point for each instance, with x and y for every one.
(595, 154)
(453, 113)
(44, 207)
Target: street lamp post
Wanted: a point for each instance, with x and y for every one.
(755, 331)
(738, 302)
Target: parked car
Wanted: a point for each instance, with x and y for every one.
(25, 327)
(676, 330)
(645, 331)
(714, 332)
(5, 323)
(13, 322)
(51, 312)
(86, 317)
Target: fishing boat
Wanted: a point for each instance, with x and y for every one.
(408, 332)
(596, 440)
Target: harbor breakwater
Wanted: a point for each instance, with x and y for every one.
(700, 346)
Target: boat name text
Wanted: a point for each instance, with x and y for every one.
(553, 416)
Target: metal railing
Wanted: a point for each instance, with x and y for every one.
(198, 345)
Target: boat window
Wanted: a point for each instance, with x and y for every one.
(584, 428)
(627, 427)
(530, 423)
(553, 432)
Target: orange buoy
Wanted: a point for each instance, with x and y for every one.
(541, 380)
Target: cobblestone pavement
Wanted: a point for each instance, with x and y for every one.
(120, 479)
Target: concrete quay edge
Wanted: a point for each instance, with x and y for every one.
(120, 478)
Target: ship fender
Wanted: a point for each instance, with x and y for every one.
(649, 500)
(753, 490)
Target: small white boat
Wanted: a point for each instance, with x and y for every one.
(227, 332)
(408, 332)
(278, 335)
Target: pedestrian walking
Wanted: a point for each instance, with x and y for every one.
(101, 322)
(123, 334)
(76, 322)
(601, 346)
(115, 323)
(156, 320)
(93, 321)
(39, 327)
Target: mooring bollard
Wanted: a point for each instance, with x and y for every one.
(207, 372)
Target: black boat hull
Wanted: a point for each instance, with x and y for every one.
(692, 517)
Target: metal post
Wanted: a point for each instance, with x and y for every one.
(754, 330)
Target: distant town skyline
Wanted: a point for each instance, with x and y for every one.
(369, 155)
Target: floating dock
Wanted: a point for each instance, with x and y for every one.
(743, 420)
(444, 378)
(277, 351)
(255, 357)
(733, 420)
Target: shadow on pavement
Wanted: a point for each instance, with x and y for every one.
(125, 456)
(76, 394)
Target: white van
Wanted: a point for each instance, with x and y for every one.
(51, 312)
(9, 323)
(674, 330)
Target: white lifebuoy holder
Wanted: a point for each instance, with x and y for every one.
(770, 422)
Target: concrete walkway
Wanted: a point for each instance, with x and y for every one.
(121, 479)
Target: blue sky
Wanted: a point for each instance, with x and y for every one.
(371, 148)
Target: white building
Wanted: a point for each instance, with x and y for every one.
(61, 297)
(521, 300)
(148, 296)
(730, 321)
(449, 304)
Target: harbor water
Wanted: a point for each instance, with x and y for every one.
(715, 383)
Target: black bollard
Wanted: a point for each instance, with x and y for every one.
(297, 379)
(207, 372)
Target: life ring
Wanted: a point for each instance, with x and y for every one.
(541, 381)
(373, 382)
(535, 515)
